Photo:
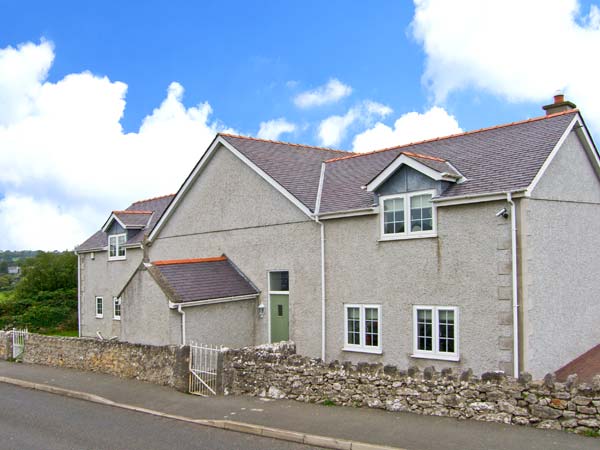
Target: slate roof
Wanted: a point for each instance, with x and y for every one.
(498, 159)
(585, 366)
(295, 167)
(133, 219)
(154, 206)
(191, 280)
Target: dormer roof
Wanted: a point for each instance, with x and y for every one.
(435, 168)
(139, 217)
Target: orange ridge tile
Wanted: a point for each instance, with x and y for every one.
(466, 133)
(154, 198)
(168, 262)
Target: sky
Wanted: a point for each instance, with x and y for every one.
(105, 103)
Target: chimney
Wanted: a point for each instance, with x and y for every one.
(559, 105)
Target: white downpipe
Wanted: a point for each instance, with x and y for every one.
(182, 312)
(515, 286)
(78, 295)
(322, 287)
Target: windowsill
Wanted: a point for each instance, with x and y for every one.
(407, 236)
(99, 317)
(374, 351)
(117, 258)
(117, 318)
(436, 356)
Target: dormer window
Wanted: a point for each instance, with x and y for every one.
(409, 215)
(116, 246)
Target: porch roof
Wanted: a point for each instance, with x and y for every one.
(201, 279)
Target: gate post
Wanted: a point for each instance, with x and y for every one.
(220, 374)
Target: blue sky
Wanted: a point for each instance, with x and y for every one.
(435, 68)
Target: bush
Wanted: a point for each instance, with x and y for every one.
(46, 296)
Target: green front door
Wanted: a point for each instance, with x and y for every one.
(280, 317)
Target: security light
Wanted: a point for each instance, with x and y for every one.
(502, 213)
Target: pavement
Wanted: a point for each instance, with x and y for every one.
(315, 425)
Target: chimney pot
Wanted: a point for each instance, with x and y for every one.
(559, 105)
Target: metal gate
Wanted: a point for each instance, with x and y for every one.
(18, 342)
(205, 364)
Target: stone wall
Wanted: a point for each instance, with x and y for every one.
(166, 365)
(5, 345)
(276, 371)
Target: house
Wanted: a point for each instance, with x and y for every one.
(13, 270)
(472, 250)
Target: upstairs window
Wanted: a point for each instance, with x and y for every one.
(408, 215)
(116, 246)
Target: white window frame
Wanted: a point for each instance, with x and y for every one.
(118, 247)
(362, 348)
(407, 233)
(101, 314)
(117, 301)
(435, 353)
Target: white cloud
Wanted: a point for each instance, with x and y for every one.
(21, 70)
(65, 160)
(410, 127)
(27, 223)
(333, 129)
(331, 92)
(520, 51)
(272, 129)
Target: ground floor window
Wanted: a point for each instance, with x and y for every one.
(362, 328)
(99, 307)
(435, 332)
(117, 308)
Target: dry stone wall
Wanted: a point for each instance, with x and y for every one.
(5, 345)
(276, 371)
(166, 365)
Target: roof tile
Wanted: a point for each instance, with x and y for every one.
(201, 279)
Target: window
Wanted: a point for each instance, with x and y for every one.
(117, 308)
(279, 281)
(408, 215)
(363, 328)
(116, 246)
(99, 307)
(436, 332)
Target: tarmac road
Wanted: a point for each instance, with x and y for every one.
(33, 420)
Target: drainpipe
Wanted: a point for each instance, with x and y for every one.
(182, 312)
(515, 289)
(322, 287)
(79, 295)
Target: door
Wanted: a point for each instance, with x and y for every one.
(280, 314)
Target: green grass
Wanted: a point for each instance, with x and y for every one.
(328, 402)
(67, 333)
(591, 433)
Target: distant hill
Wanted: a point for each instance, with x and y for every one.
(14, 258)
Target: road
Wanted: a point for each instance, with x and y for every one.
(33, 420)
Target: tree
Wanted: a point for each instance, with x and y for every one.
(45, 297)
(5, 282)
(47, 272)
